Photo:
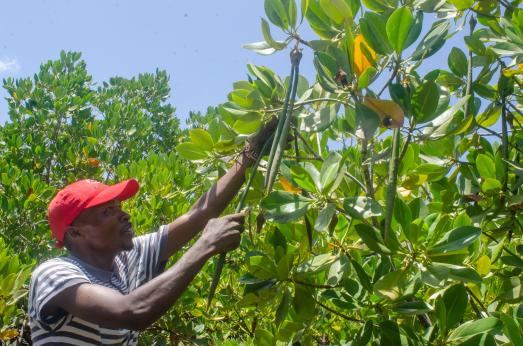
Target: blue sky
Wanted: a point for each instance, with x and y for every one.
(198, 43)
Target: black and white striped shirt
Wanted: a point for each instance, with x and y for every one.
(130, 270)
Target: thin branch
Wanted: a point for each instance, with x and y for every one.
(392, 76)
(476, 299)
(312, 285)
(497, 242)
(337, 313)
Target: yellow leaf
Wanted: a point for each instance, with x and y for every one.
(483, 265)
(361, 63)
(93, 162)
(287, 186)
(390, 113)
(9, 334)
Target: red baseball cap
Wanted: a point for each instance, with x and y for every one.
(76, 197)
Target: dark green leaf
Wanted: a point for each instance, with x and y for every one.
(425, 101)
(411, 308)
(456, 239)
(303, 302)
(285, 206)
(372, 26)
(458, 62)
(361, 207)
(324, 217)
(485, 166)
(283, 307)
(471, 328)
(398, 27)
(432, 41)
(455, 300)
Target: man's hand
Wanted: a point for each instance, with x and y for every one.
(255, 143)
(223, 234)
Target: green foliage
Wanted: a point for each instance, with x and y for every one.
(369, 236)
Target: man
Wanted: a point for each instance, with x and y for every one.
(109, 286)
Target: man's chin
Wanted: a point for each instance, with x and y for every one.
(128, 246)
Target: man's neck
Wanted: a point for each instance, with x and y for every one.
(98, 260)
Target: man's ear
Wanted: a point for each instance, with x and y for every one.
(73, 232)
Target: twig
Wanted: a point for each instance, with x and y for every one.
(476, 299)
(312, 285)
(497, 242)
(337, 313)
(392, 76)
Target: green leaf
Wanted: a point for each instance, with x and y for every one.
(462, 4)
(432, 171)
(471, 328)
(455, 300)
(263, 337)
(372, 238)
(366, 77)
(390, 286)
(425, 101)
(201, 138)
(432, 41)
(364, 335)
(248, 123)
(457, 61)
(303, 302)
(316, 264)
(441, 126)
(511, 290)
(276, 12)
(456, 239)
(363, 277)
(285, 206)
(512, 329)
(337, 270)
(398, 27)
(283, 307)
(415, 29)
(262, 48)
(324, 217)
(362, 207)
(191, 151)
(491, 186)
(306, 176)
(485, 166)
(329, 171)
(317, 120)
(411, 308)
(326, 68)
(389, 333)
(266, 31)
(372, 26)
(337, 10)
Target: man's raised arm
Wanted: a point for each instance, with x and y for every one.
(214, 201)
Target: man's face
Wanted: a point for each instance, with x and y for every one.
(105, 227)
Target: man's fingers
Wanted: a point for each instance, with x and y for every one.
(238, 217)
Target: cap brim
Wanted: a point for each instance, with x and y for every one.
(121, 191)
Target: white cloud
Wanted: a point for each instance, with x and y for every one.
(9, 65)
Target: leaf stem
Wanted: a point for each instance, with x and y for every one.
(393, 180)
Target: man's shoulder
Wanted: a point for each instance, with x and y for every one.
(52, 264)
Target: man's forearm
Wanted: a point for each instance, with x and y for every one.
(210, 205)
(214, 201)
(149, 302)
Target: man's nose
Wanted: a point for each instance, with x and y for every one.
(124, 217)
